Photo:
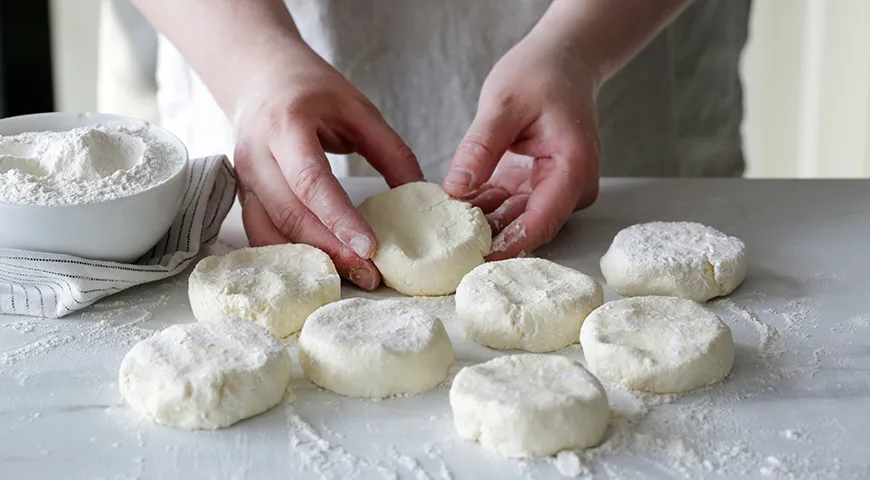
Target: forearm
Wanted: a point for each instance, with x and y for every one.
(227, 42)
(608, 33)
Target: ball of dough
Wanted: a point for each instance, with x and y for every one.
(657, 344)
(427, 241)
(276, 287)
(529, 405)
(205, 375)
(525, 303)
(367, 348)
(680, 259)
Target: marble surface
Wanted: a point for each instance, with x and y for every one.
(795, 405)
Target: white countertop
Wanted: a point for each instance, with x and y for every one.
(795, 406)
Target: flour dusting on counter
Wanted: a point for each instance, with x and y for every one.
(83, 165)
(709, 433)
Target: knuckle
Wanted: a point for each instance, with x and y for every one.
(338, 218)
(289, 220)
(499, 99)
(364, 105)
(405, 154)
(589, 196)
(550, 229)
(243, 156)
(550, 223)
(308, 181)
(475, 150)
(505, 102)
(278, 120)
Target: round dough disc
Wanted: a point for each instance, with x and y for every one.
(205, 375)
(680, 259)
(529, 405)
(525, 303)
(427, 241)
(657, 344)
(367, 348)
(276, 287)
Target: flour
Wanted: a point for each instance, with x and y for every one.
(711, 433)
(83, 165)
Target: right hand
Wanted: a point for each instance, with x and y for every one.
(291, 115)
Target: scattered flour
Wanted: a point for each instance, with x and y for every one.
(83, 165)
(692, 436)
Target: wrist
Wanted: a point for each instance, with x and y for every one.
(247, 70)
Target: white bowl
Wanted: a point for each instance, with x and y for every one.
(119, 230)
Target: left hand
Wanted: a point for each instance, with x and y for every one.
(530, 158)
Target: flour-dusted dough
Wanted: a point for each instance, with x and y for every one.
(427, 241)
(657, 344)
(368, 348)
(205, 375)
(529, 405)
(681, 259)
(276, 286)
(525, 303)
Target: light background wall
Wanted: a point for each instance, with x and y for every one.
(75, 29)
(806, 71)
(807, 76)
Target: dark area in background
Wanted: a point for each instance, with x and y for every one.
(25, 58)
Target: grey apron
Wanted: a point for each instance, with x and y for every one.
(674, 110)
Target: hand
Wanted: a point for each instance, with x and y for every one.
(288, 193)
(530, 158)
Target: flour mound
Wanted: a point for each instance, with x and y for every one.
(83, 165)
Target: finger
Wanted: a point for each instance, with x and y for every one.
(306, 169)
(488, 198)
(489, 137)
(384, 149)
(507, 212)
(557, 185)
(259, 227)
(296, 223)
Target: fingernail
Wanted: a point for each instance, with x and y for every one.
(362, 246)
(458, 177)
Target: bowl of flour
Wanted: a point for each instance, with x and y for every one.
(91, 185)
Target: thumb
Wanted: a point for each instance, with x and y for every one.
(489, 137)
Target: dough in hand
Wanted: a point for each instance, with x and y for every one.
(427, 241)
(529, 405)
(205, 375)
(525, 303)
(680, 259)
(657, 344)
(276, 287)
(367, 348)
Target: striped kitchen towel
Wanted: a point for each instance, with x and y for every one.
(53, 285)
